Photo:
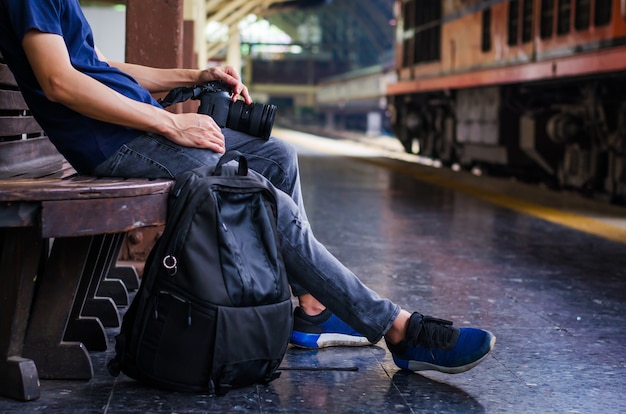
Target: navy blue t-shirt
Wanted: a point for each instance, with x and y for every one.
(85, 142)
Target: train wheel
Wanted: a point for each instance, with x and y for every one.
(412, 145)
(409, 142)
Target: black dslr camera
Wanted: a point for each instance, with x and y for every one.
(254, 119)
(215, 100)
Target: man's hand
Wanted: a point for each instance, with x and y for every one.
(198, 131)
(230, 76)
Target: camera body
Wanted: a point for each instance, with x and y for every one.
(254, 119)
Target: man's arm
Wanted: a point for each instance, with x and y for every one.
(164, 80)
(62, 83)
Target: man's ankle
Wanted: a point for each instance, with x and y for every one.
(397, 332)
(310, 305)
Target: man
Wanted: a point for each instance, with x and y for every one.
(101, 116)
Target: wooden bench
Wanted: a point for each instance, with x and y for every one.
(60, 236)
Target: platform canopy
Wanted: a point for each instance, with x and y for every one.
(359, 31)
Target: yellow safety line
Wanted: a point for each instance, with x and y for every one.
(553, 215)
(550, 214)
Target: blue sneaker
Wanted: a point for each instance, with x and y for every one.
(323, 330)
(434, 344)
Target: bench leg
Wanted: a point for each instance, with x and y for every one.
(19, 257)
(99, 265)
(114, 289)
(87, 327)
(89, 331)
(88, 308)
(19, 379)
(56, 358)
(104, 309)
(126, 274)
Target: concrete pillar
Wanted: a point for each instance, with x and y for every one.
(154, 32)
(190, 60)
(374, 123)
(196, 10)
(330, 120)
(233, 53)
(248, 69)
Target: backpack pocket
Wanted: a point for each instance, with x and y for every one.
(252, 343)
(177, 344)
(251, 262)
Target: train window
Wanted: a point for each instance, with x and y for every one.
(407, 52)
(513, 22)
(523, 17)
(527, 21)
(563, 17)
(485, 44)
(546, 27)
(409, 14)
(582, 12)
(602, 15)
(427, 46)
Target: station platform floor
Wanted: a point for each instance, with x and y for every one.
(544, 271)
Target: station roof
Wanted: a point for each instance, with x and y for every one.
(358, 31)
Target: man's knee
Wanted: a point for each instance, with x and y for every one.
(286, 150)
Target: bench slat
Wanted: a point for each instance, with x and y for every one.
(23, 156)
(49, 167)
(6, 77)
(16, 189)
(12, 100)
(43, 167)
(17, 125)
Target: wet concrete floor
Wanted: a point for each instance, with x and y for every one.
(555, 298)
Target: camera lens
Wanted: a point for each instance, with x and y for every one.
(254, 119)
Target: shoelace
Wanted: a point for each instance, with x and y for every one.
(429, 332)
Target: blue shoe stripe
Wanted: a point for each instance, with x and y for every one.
(334, 332)
(304, 340)
(336, 325)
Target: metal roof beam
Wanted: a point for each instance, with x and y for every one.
(230, 13)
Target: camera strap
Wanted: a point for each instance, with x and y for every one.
(180, 94)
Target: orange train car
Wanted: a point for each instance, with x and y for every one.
(533, 87)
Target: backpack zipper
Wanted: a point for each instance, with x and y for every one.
(174, 296)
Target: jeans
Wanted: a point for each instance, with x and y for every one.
(310, 266)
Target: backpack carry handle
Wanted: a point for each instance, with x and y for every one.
(230, 156)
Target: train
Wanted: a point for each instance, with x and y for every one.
(532, 88)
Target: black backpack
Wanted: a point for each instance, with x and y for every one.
(213, 311)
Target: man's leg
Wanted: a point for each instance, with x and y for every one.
(314, 268)
(417, 342)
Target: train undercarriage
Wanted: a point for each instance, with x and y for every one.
(569, 135)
